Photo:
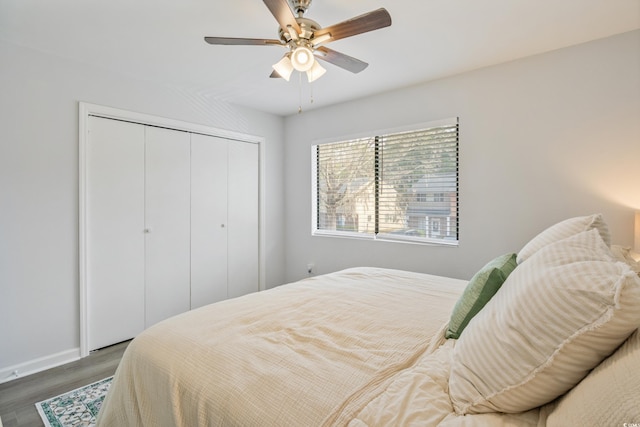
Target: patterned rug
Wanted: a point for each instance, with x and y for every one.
(77, 408)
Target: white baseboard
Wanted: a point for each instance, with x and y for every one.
(37, 365)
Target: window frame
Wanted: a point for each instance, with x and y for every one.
(315, 212)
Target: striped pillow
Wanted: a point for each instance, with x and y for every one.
(608, 396)
(624, 255)
(554, 319)
(562, 230)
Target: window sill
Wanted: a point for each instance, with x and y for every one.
(386, 238)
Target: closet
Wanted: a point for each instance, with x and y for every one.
(171, 224)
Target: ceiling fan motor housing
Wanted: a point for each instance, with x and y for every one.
(307, 28)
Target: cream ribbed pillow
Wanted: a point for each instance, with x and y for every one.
(555, 318)
(562, 230)
(623, 254)
(608, 396)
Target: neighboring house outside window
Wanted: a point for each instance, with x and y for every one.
(435, 206)
(398, 186)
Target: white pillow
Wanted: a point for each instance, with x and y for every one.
(623, 254)
(554, 319)
(562, 230)
(610, 395)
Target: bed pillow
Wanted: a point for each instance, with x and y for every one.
(562, 230)
(623, 254)
(609, 395)
(555, 318)
(482, 286)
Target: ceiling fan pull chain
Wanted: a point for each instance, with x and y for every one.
(300, 93)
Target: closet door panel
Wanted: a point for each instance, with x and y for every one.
(208, 220)
(167, 224)
(243, 206)
(114, 231)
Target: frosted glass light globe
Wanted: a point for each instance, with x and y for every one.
(302, 58)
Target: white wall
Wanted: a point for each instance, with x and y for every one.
(39, 94)
(541, 139)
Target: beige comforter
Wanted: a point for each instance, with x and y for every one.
(349, 348)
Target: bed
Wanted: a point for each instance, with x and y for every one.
(369, 347)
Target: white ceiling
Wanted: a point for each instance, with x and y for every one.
(162, 41)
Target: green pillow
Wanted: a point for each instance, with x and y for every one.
(482, 286)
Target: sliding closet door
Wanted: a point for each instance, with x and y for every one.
(169, 222)
(243, 206)
(167, 219)
(114, 231)
(208, 219)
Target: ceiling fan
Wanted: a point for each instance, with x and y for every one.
(305, 39)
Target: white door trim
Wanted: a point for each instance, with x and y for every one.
(84, 111)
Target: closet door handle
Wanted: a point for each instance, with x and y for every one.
(147, 230)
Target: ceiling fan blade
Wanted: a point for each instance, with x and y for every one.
(347, 62)
(241, 41)
(284, 15)
(374, 20)
(275, 75)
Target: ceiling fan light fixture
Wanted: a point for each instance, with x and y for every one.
(302, 58)
(284, 67)
(315, 72)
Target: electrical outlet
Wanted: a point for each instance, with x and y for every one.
(310, 267)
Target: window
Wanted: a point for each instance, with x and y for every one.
(401, 186)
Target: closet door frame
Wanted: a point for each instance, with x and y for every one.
(86, 110)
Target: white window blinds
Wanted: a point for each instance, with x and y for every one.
(397, 186)
(345, 186)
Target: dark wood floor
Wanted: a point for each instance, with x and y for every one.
(18, 397)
